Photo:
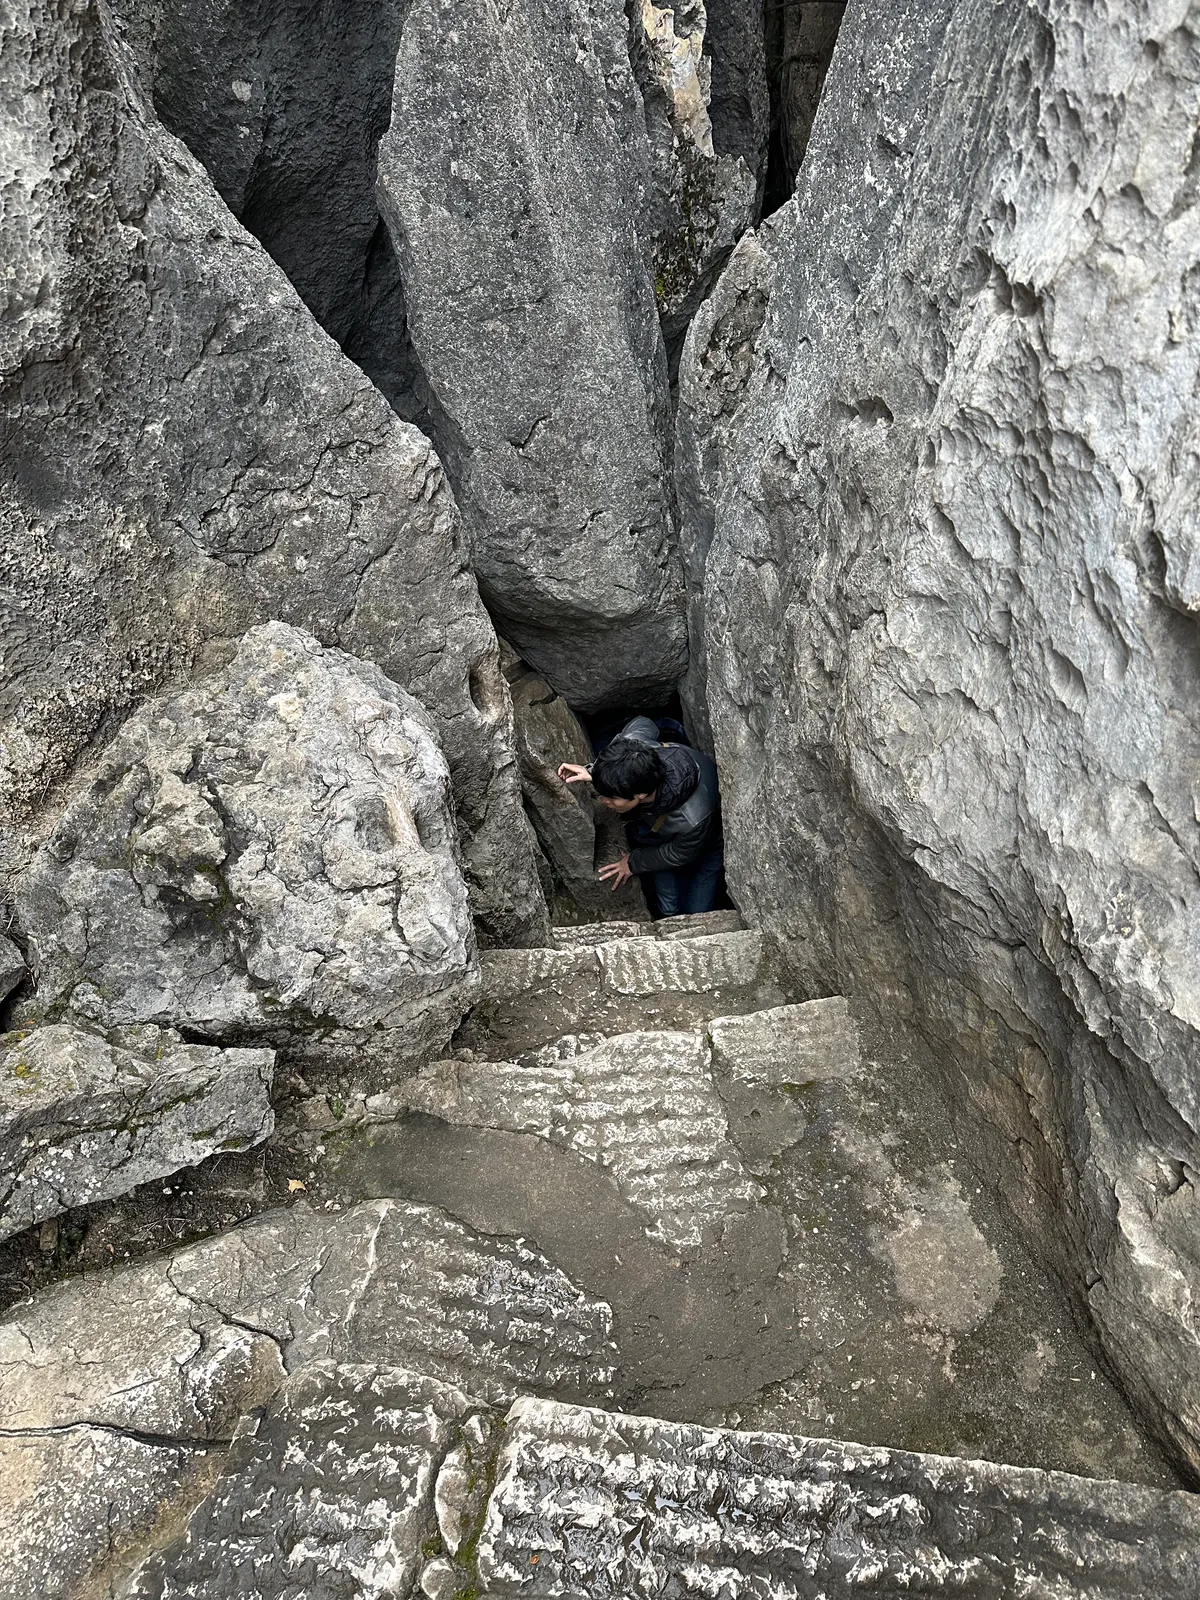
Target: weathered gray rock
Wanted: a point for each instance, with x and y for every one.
(75, 1501)
(84, 1118)
(188, 454)
(700, 200)
(576, 834)
(267, 855)
(512, 180)
(643, 1106)
(12, 967)
(800, 43)
(110, 1385)
(183, 1345)
(335, 1496)
(739, 106)
(595, 1503)
(951, 609)
(714, 381)
(284, 105)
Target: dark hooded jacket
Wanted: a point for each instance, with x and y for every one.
(683, 821)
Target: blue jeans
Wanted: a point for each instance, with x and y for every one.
(682, 891)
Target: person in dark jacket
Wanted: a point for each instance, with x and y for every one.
(670, 796)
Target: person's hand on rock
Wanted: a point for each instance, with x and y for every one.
(570, 772)
(616, 873)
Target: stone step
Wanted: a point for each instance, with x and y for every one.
(118, 1391)
(355, 1473)
(363, 1480)
(683, 927)
(652, 1108)
(530, 997)
(595, 1503)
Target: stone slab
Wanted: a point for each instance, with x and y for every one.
(599, 1504)
(84, 1117)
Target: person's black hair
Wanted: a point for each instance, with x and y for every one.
(626, 770)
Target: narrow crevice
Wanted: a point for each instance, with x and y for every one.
(800, 38)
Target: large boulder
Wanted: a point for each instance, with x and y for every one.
(284, 104)
(84, 1117)
(269, 855)
(186, 454)
(513, 178)
(952, 597)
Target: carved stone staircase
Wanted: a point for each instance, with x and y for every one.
(505, 1343)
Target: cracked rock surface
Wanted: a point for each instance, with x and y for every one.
(189, 454)
(951, 605)
(145, 1368)
(267, 855)
(84, 1117)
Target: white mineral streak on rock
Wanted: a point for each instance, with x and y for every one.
(675, 34)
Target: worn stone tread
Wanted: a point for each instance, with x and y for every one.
(601, 1504)
(332, 1498)
(642, 1106)
(530, 997)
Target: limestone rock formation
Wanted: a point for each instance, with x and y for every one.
(284, 106)
(512, 179)
(267, 855)
(83, 1118)
(121, 1392)
(608, 1505)
(739, 105)
(700, 200)
(952, 599)
(800, 43)
(187, 454)
(12, 967)
(714, 380)
(576, 834)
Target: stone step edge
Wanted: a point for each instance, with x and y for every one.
(316, 1115)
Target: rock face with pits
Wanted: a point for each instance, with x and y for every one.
(84, 1117)
(269, 855)
(188, 454)
(951, 604)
